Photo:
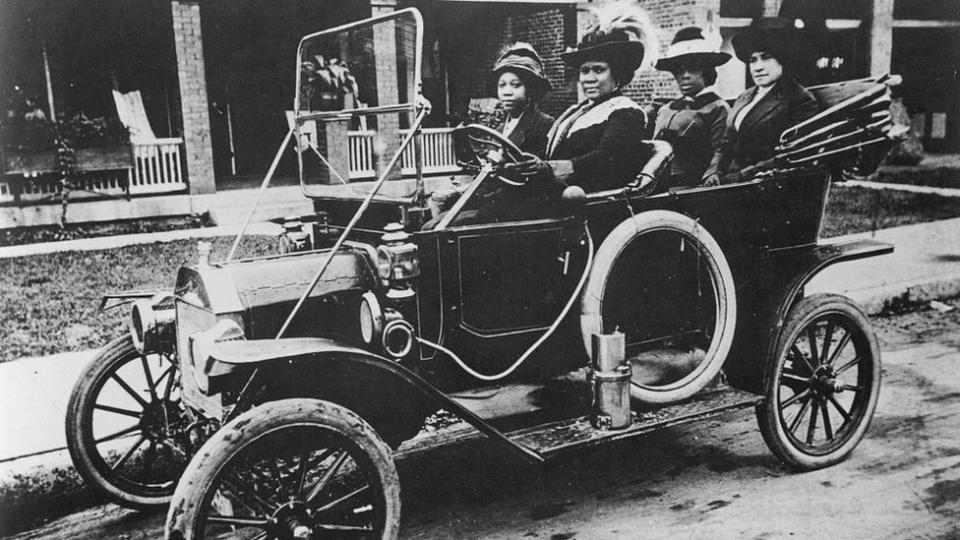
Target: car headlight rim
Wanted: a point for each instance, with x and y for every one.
(371, 318)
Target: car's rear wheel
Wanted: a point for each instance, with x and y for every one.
(126, 426)
(663, 281)
(821, 384)
(295, 468)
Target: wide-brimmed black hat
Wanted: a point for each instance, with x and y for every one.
(520, 57)
(690, 48)
(775, 35)
(617, 37)
(613, 48)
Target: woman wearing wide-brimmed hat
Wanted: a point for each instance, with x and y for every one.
(694, 124)
(771, 49)
(597, 144)
(519, 83)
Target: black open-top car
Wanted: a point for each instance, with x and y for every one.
(278, 389)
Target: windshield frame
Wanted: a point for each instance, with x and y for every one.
(315, 191)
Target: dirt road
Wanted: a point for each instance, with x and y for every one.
(710, 480)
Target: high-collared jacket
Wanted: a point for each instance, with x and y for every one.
(695, 128)
(785, 105)
(530, 133)
(604, 141)
(502, 203)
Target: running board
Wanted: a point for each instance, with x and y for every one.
(557, 438)
(549, 440)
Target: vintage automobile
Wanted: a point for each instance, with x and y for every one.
(277, 389)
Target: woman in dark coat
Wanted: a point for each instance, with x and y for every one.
(520, 84)
(597, 144)
(770, 46)
(696, 123)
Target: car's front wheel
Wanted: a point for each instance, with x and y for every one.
(126, 427)
(294, 468)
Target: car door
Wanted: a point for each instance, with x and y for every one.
(505, 284)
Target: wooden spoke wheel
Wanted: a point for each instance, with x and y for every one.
(822, 383)
(126, 427)
(290, 469)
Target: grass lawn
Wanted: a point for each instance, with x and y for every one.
(856, 209)
(48, 303)
(76, 231)
(941, 171)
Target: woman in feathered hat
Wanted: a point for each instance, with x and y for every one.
(520, 84)
(770, 47)
(597, 144)
(694, 124)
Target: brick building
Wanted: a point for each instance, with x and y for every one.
(220, 73)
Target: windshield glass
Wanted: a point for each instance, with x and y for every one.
(356, 91)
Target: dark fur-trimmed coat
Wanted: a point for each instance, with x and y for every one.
(604, 142)
(695, 128)
(785, 105)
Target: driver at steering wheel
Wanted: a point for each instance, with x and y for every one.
(519, 82)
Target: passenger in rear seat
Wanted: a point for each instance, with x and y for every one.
(695, 123)
(770, 47)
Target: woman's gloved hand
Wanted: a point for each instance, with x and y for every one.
(712, 180)
(531, 167)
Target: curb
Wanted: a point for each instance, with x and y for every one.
(893, 296)
(39, 488)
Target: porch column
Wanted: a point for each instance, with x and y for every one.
(385, 52)
(881, 37)
(194, 105)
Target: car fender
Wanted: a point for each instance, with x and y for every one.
(774, 286)
(353, 377)
(116, 299)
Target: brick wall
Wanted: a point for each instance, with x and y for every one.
(193, 95)
(550, 32)
(471, 53)
(669, 16)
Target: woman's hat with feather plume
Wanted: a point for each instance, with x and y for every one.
(521, 57)
(622, 33)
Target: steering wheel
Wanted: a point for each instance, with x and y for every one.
(491, 150)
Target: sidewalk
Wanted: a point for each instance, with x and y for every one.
(924, 265)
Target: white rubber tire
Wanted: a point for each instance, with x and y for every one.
(591, 318)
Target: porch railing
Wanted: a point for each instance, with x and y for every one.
(437, 148)
(156, 169)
